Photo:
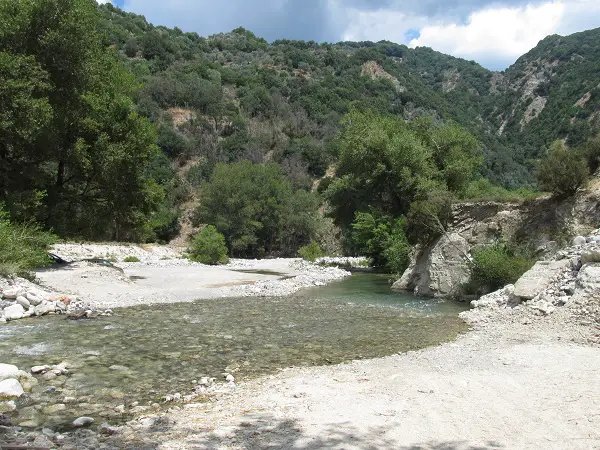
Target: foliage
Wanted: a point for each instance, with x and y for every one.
(311, 252)
(386, 163)
(131, 259)
(483, 190)
(23, 247)
(497, 265)
(73, 150)
(257, 209)
(208, 247)
(562, 171)
(428, 218)
(383, 240)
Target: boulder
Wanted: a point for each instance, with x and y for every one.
(588, 279)
(9, 371)
(14, 312)
(6, 407)
(13, 293)
(34, 298)
(44, 308)
(503, 297)
(536, 279)
(579, 240)
(10, 388)
(23, 302)
(438, 270)
(590, 256)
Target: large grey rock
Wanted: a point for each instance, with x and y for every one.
(438, 270)
(13, 293)
(82, 422)
(44, 308)
(591, 255)
(538, 278)
(23, 302)
(14, 312)
(501, 298)
(588, 279)
(10, 388)
(579, 240)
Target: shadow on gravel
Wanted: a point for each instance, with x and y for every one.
(265, 432)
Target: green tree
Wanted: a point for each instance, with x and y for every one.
(562, 171)
(208, 247)
(257, 210)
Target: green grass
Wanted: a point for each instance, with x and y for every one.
(131, 259)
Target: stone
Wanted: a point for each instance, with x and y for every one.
(23, 302)
(53, 409)
(588, 279)
(44, 308)
(42, 441)
(438, 270)
(542, 306)
(81, 422)
(538, 278)
(590, 256)
(107, 430)
(503, 297)
(230, 378)
(34, 299)
(39, 369)
(9, 371)
(11, 388)
(6, 407)
(13, 293)
(579, 240)
(14, 312)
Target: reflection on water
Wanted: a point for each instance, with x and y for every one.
(143, 353)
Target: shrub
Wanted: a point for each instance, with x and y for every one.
(131, 259)
(497, 265)
(311, 251)
(22, 247)
(208, 247)
(562, 171)
(397, 253)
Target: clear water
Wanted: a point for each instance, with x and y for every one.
(143, 353)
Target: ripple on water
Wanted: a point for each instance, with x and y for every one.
(144, 353)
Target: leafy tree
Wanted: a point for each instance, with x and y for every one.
(311, 252)
(257, 210)
(208, 247)
(562, 171)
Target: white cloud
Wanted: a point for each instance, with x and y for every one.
(501, 34)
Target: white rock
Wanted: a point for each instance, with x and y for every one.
(34, 299)
(579, 240)
(14, 312)
(23, 302)
(44, 308)
(82, 422)
(11, 388)
(229, 378)
(9, 406)
(13, 293)
(9, 371)
(39, 369)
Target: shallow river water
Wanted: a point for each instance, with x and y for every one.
(143, 353)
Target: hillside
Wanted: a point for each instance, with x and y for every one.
(283, 101)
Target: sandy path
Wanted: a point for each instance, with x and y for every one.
(486, 390)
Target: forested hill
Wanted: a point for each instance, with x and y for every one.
(234, 96)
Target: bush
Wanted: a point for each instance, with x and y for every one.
(397, 253)
(484, 190)
(208, 247)
(497, 265)
(22, 247)
(311, 252)
(131, 259)
(562, 171)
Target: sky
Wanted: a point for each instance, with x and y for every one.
(492, 32)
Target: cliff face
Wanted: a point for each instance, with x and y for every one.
(544, 224)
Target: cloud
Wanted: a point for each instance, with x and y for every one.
(495, 36)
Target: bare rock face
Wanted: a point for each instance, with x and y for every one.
(539, 278)
(439, 269)
(588, 279)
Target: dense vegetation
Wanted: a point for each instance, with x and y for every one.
(110, 126)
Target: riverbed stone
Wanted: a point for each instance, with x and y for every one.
(44, 308)
(39, 369)
(8, 406)
(14, 312)
(13, 293)
(9, 371)
(34, 298)
(10, 388)
(539, 277)
(81, 422)
(579, 240)
(53, 409)
(23, 302)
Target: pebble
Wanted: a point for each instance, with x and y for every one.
(81, 422)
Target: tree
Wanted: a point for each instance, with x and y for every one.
(208, 247)
(562, 171)
(257, 210)
(82, 162)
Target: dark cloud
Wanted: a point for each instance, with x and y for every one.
(271, 19)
